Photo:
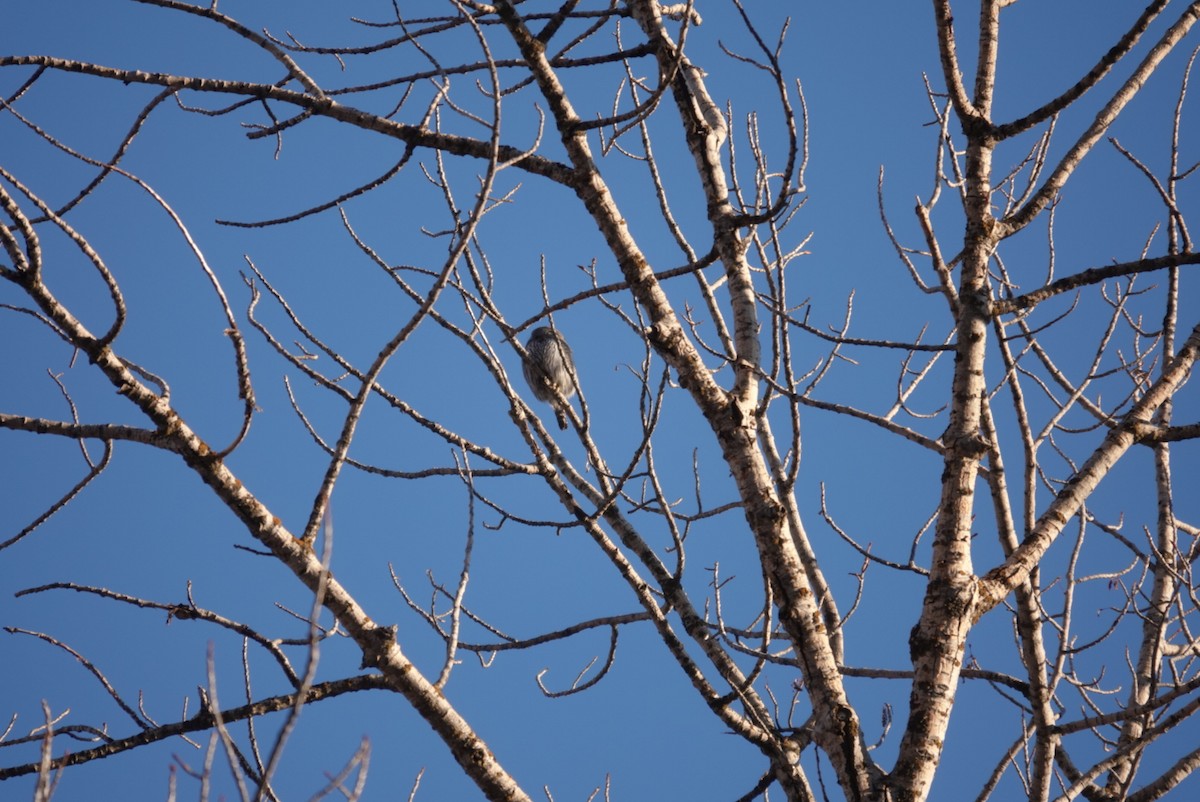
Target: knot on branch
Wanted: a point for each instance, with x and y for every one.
(182, 612)
(919, 643)
(663, 337)
(681, 11)
(765, 515)
(376, 643)
(978, 128)
(969, 446)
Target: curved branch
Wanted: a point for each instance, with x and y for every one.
(1093, 275)
(1089, 80)
(319, 106)
(205, 720)
(1104, 118)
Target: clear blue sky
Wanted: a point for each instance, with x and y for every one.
(147, 527)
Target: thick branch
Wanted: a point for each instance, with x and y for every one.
(1004, 578)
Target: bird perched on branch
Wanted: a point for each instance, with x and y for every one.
(548, 368)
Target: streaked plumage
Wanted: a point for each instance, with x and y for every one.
(549, 365)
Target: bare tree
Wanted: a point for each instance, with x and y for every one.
(1017, 376)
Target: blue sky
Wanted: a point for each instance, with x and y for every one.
(148, 526)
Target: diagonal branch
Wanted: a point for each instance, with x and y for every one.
(1104, 118)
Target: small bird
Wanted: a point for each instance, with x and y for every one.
(548, 368)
